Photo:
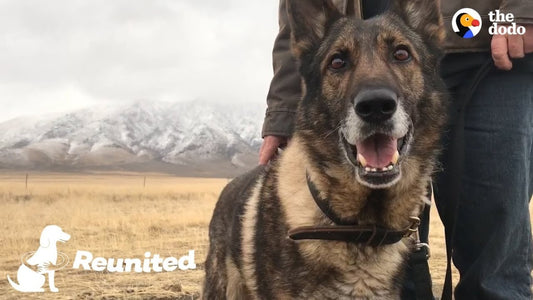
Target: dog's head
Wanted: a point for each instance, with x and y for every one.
(372, 93)
(52, 234)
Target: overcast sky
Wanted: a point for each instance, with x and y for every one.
(61, 55)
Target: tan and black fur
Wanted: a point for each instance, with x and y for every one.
(250, 254)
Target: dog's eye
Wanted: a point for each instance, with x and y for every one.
(401, 54)
(337, 62)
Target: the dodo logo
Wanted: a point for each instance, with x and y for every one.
(466, 23)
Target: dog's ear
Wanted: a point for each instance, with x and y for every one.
(423, 16)
(309, 20)
(44, 241)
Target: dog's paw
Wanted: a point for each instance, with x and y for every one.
(54, 289)
(43, 268)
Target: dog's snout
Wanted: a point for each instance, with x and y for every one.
(376, 105)
(65, 236)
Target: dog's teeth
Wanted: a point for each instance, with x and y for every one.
(361, 159)
(367, 169)
(390, 167)
(374, 170)
(395, 157)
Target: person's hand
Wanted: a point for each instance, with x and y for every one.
(269, 148)
(505, 47)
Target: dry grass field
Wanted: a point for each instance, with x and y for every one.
(120, 216)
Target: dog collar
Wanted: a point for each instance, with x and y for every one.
(347, 231)
(323, 204)
(370, 235)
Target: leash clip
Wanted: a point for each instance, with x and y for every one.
(420, 245)
(413, 229)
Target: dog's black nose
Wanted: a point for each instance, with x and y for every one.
(376, 105)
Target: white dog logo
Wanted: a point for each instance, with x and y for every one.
(31, 273)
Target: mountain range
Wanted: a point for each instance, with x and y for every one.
(195, 138)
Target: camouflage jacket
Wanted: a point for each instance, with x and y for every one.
(285, 91)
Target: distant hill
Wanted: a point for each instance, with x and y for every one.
(183, 138)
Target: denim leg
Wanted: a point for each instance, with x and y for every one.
(492, 243)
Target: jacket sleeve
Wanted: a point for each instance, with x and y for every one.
(285, 88)
(521, 9)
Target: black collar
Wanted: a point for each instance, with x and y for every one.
(323, 204)
(347, 231)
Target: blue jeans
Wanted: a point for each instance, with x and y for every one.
(492, 246)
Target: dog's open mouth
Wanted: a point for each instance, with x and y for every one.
(377, 158)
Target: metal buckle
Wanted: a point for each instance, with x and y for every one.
(415, 223)
(413, 228)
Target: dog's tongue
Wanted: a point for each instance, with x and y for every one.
(378, 150)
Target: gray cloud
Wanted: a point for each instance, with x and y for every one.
(60, 55)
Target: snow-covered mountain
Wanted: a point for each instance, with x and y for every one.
(197, 137)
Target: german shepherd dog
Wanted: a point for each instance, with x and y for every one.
(328, 219)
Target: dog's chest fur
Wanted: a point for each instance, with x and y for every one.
(362, 272)
(273, 266)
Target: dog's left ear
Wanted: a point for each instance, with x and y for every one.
(423, 16)
(309, 21)
(44, 241)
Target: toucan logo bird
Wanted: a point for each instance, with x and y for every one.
(466, 23)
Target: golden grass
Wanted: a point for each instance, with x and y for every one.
(110, 216)
(116, 216)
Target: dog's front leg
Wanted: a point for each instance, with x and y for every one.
(51, 281)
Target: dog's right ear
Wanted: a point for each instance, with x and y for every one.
(423, 16)
(309, 20)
